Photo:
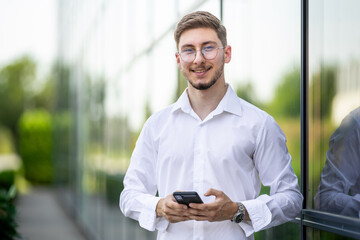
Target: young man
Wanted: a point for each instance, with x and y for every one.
(212, 142)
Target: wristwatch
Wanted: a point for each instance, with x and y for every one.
(240, 214)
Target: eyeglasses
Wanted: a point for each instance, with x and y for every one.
(209, 53)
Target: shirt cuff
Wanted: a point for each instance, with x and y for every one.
(148, 219)
(259, 215)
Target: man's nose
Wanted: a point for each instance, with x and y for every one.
(199, 57)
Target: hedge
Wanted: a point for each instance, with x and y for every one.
(35, 145)
(7, 178)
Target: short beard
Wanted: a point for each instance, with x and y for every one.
(205, 86)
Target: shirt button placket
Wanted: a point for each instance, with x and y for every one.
(199, 156)
(198, 174)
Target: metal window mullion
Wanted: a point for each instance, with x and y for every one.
(304, 106)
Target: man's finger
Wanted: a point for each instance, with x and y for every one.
(193, 211)
(200, 206)
(213, 192)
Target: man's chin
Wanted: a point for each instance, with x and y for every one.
(202, 86)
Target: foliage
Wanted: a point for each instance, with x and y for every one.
(322, 91)
(287, 231)
(7, 178)
(62, 77)
(181, 85)
(114, 186)
(19, 93)
(8, 225)
(247, 93)
(286, 102)
(45, 97)
(62, 123)
(6, 141)
(15, 80)
(35, 129)
(61, 130)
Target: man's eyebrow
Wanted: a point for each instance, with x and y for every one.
(187, 45)
(202, 44)
(208, 42)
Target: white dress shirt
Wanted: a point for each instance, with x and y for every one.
(339, 189)
(231, 150)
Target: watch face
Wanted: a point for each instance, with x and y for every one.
(239, 218)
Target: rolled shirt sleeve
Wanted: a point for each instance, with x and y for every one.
(259, 214)
(147, 217)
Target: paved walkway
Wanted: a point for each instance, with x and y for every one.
(40, 217)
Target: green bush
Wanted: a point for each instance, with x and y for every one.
(7, 179)
(35, 143)
(8, 225)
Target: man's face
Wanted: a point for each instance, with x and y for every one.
(202, 73)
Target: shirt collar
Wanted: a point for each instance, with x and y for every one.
(230, 103)
(182, 103)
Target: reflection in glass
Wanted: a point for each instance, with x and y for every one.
(339, 189)
(312, 233)
(334, 86)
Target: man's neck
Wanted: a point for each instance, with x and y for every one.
(203, 102)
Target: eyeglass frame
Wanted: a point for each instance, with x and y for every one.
(202, 53)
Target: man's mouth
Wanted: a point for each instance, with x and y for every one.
(201, 70)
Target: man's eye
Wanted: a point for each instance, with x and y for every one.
(208, 49)
(188, 51)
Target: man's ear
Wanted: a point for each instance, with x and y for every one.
(227, 54)
(178, 60)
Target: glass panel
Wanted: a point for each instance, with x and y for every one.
(265, 70)
(322, 235)
(265, 64)
(334, 100)
(287, 231)
(117, 64)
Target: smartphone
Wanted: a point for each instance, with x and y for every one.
(187, 197)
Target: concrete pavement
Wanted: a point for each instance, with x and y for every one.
(40, 217)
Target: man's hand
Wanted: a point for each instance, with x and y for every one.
(221, 209)
(171, 210)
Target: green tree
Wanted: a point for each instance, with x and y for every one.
(44, 99)
(20, 90)
(181, 85)
(246, 92)
(322, 91)
(15, 81)
(286, 102)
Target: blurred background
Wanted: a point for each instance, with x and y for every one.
(79, 78)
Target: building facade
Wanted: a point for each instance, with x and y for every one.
(297, 60)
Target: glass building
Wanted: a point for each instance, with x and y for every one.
(298, 60)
